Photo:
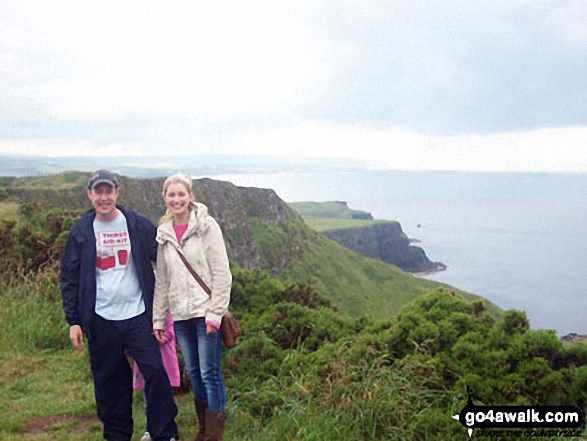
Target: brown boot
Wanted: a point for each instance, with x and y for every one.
(214, 425)
(201, 407)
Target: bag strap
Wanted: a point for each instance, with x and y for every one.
(194, 273)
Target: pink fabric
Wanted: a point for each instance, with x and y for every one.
(169, 356)
(180, 231)
(213, 324)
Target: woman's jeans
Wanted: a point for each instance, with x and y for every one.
(201, 353)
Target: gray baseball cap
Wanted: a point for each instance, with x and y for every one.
(102, 177)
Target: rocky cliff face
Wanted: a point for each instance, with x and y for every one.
(237, 209)
(387, 242)
(260, 229)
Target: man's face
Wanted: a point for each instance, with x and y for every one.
(103, 198)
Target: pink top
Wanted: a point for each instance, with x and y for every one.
(169, 357)
(179, 231)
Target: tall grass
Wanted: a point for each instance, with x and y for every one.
(9, 211)
(370, 400)
(43, 379)
(351, 389)
(31, 313)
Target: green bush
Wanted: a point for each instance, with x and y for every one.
(304, 371)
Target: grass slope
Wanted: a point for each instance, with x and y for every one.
(334, 215)
(9, 211)
(331, 224)
(356, 284)
(359, 285)
(331, 209)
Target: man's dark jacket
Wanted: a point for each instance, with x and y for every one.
(78, 266)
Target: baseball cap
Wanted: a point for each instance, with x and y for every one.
(102, 177)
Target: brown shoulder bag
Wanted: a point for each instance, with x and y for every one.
(229, 325)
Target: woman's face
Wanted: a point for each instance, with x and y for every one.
(177, 198)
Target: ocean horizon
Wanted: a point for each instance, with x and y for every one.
(516, 239)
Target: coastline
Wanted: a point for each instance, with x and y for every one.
(573, 338)
(439, 266)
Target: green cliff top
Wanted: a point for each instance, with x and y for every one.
(334, 215)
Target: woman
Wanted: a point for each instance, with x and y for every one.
(188, 228)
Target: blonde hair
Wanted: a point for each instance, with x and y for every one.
(176, 179)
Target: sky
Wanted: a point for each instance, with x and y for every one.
(414, 85)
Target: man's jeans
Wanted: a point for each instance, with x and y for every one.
(201, 353)
(108, 342)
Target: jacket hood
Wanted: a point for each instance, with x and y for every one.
(198, 224)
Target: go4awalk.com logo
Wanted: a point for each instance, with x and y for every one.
(521, 421)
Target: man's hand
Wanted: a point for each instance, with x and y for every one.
(77, 337)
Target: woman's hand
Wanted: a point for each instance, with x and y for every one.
(210, 329)
(160, 335)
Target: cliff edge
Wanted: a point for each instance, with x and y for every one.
(260, 231)
(357, 230)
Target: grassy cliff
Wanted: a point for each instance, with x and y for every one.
(357, 230)
(308, 367)
(261, 231)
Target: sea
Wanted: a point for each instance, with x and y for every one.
(517, 239)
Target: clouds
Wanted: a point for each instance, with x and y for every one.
(306, 77)
(125, 57)
(461, 67)
(539, 150)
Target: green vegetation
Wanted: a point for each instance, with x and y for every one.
(302, 371)
(357, 285)
(60, 181)
(271, 240)
(334, 215)
(9, 211)
(259, 228)
(337, 268)
(329, 224)
(332, 209)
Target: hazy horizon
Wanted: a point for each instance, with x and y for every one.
(492, 85)
(222, 167)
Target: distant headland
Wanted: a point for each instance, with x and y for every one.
(359, 231)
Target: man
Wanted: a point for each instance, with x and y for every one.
(107, 285)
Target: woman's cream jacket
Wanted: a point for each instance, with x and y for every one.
(175, 288)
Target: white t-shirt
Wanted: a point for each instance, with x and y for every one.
(118, 295)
